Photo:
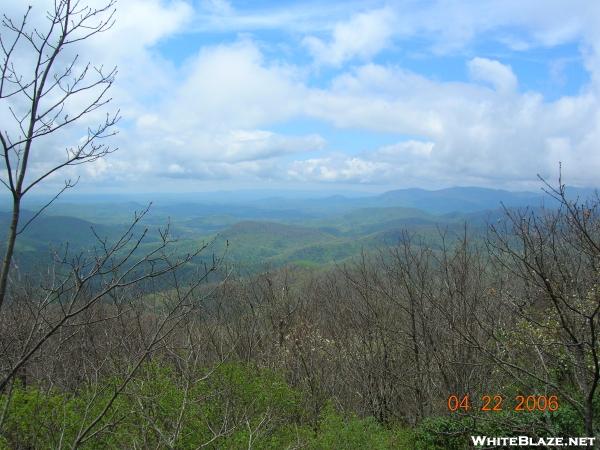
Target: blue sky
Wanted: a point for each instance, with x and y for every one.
(368, 95)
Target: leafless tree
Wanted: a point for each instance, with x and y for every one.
(101, 314)
(553, 258)
(44, 91)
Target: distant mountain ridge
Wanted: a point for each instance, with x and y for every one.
(279, 230)
(443, 201)
(459, 199)
(280, 205)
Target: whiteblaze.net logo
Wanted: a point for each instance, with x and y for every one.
(527, 441)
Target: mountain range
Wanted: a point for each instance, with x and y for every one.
(276, 229)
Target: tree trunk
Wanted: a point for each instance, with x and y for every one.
(10, 247)
(589, 417)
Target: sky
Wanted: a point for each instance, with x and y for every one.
(356, 96)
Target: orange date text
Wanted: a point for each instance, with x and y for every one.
(497, 403)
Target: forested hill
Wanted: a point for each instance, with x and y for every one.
(273, 230)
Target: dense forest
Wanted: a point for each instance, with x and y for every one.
(409, 319)
(124, 349)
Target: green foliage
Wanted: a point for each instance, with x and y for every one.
(350, 433)
(253, 236)
(230, 406)
(39, 419)
(161, 409)
(453, 432)
(246, 403)
(443, 433)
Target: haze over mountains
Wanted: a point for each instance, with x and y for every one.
(280, 228)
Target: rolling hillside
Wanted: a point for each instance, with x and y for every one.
(276, 230)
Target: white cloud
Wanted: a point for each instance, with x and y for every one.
(231, 86)
(219, 7)
(237, 154)
(241, 145)
(213, 117)
(470, 133)
(499, 75)
(411, 148)
(237, 146)
(363, 36)
(338, 169)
